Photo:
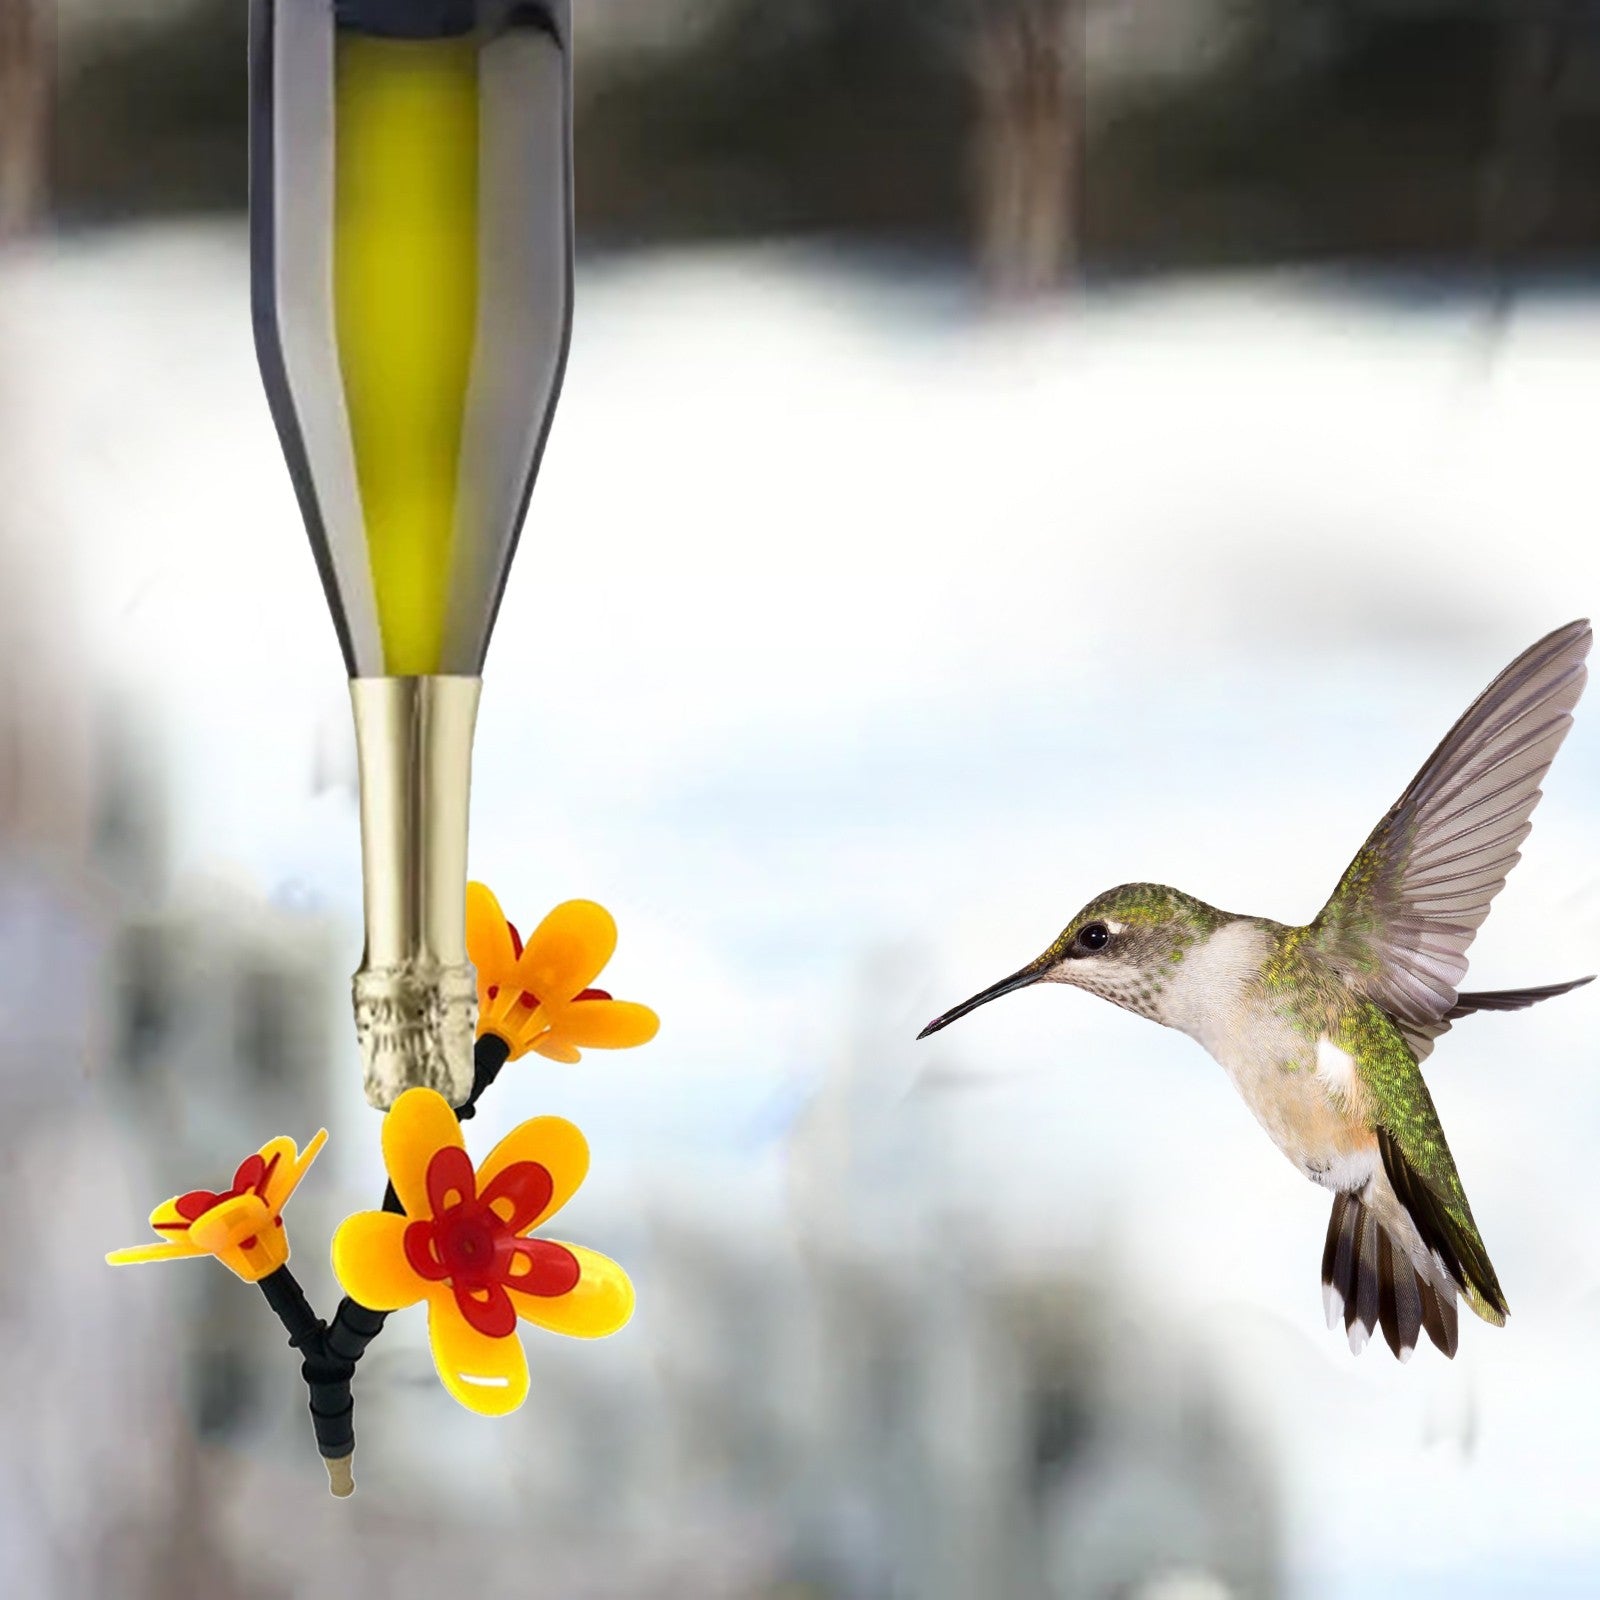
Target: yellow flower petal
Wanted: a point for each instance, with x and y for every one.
(291, 1168)
(369, 1260)
(565, 953)
(489, 1376)
(553, 1049)
(241, 1234)
(169, 1250)
(602, 1302)
(489, 946)
(556, 1145)
(607, 1024)
(419, 1123)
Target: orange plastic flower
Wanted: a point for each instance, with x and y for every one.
(537, 996)
(243, 1226)
(462, 1246)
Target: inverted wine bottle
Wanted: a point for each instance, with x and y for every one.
(411, 259)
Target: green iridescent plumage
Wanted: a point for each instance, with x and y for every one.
(1146, 905)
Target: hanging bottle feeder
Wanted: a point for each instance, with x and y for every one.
(411, 252)
(411, 256)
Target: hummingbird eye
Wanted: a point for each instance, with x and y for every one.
(1096, 936)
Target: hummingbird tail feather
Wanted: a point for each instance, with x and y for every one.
(1420, 1035)
(1369, 1281)
(1511, 999)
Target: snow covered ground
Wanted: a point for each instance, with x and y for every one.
(851, 623)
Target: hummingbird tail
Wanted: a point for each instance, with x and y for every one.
(1511, 999)
(1369, 1280)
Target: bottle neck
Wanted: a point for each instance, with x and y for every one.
(415, 993)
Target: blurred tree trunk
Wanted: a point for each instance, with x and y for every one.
(1028, 136)
(1519, 176)
(26, 58)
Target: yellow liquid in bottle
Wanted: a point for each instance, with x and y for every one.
(405, 264)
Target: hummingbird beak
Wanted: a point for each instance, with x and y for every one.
(1031, 973)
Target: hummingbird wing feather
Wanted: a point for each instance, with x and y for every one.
(1446, 1225)
(1416, 1158)
(1399, 924)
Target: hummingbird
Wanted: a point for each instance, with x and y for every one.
(1323, 1028)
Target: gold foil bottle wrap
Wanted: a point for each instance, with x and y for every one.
(415, 993)
(416, 1026)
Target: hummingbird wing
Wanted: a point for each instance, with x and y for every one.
(1399, 924)
(1417, 1159)
(1444, 1220)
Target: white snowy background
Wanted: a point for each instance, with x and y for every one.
(856, 629)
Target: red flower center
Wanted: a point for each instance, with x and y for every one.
(473, 1241)
(252, 1177)
(465, 1244)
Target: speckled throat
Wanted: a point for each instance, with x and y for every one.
(1160, 931)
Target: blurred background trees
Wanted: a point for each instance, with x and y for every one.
(1030, 138)
(1027, 132)
(25, 75)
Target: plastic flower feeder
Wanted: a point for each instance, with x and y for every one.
(538, 995)
(460, 1242)
(243, 1225)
